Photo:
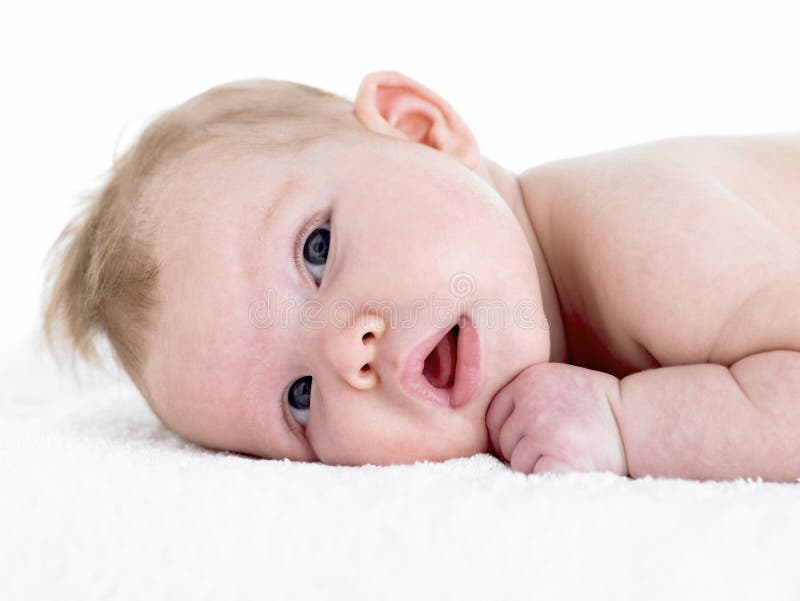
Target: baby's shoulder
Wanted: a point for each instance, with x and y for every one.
(656, 250)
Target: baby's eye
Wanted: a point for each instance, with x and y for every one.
(315, 250)
(299, 397)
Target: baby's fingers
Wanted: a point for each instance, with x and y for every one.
(528, 458)
(500, 408)
(526, 455)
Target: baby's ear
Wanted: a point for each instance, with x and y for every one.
(393, 104)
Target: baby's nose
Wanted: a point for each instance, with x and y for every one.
(351, 348)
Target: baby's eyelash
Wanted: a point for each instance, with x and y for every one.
(290, 421)
(294, 427)
(300, 241)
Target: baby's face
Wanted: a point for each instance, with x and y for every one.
(312, 356)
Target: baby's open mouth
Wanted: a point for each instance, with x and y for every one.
(450, 375)
(440, 364)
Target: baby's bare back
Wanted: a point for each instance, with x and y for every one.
(674, 252)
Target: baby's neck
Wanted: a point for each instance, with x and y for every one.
(507, 185)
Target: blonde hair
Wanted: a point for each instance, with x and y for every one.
(102, 273)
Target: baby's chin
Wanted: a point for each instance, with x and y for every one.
(463, 440)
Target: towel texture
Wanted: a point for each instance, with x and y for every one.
(99, 501)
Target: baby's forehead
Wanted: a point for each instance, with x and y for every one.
(216, 166)
(211, 373)
(211, 274)
(202, 361)
(196, 201)
(226, 168)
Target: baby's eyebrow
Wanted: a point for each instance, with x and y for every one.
(249, 246)
(285, 191)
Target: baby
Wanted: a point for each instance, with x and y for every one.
(288, 274)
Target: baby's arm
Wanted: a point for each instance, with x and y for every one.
(710, 422)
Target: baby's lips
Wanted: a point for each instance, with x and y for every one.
(469, 370)
(411, 377)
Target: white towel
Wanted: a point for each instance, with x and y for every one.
(99, 501)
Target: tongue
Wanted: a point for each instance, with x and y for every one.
(440, 365)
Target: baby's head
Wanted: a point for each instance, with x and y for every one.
(273, 266)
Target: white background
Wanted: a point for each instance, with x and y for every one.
(535, 81)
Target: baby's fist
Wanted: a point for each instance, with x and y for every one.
(557, 417)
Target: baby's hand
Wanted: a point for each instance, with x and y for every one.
(557, 417)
